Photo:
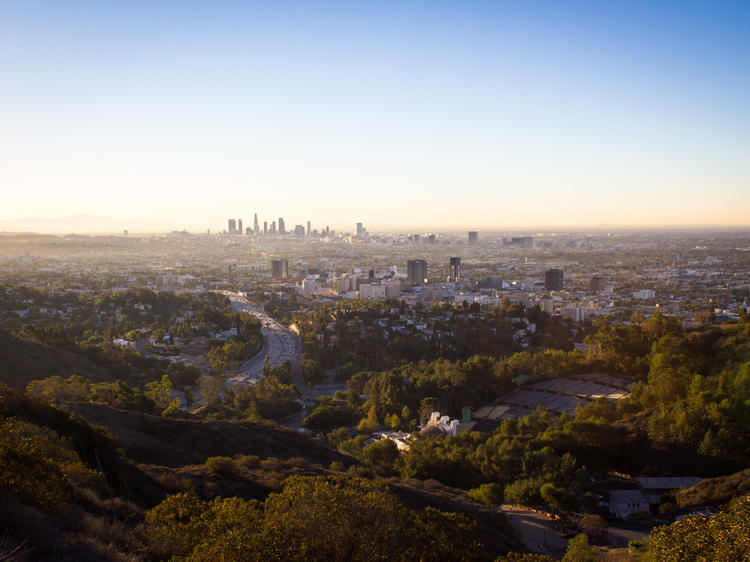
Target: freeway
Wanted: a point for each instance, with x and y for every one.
(279, 344)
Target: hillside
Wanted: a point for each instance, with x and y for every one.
(715, 491)
(22, 361)
(176, 442)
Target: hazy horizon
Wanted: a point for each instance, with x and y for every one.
(407, 116)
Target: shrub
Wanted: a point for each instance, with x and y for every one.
(489, 494)
(220, 465)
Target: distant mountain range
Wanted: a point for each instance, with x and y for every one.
(80, 223)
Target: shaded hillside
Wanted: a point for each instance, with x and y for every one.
(715, 491)
(22, 361)
(172, 442)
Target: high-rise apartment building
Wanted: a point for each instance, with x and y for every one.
(553, 280)
(416, 272)
(455, 269)
(280, 269)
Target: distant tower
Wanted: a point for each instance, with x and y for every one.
(231, 226)
(239, 226)
(309, 230)
(416, 272)
(273, 227)
(473, 237)
(256, 226)
(360, 230)
(282, 230)
(553, 280)
(265, 228)
(280, 269)
(596, 283)
(455, 265)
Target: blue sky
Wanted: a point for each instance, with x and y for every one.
(399, 114)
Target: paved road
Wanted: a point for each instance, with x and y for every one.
(279, 344)
(534, 529)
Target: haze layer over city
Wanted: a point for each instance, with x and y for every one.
(374, 281)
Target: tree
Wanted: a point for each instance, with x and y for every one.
(579, 550)
(211, 389)
(160, 392)
(594, 525)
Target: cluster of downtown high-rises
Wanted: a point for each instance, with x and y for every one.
(235, 228)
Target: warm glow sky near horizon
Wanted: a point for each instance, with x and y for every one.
(397, 114)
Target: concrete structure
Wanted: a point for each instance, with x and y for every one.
(282, 228)
(231, 226)
(596, 284)
(416, 272)
(372, 291)
(256, 226)
(553, 280)
(546, 304)
(473, 237)
(280, 269)
(239, 226)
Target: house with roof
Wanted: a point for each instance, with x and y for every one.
(625, 502)
(654, 487)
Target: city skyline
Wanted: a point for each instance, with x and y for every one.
(481, 116)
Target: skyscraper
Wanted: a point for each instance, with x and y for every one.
(455, 269)
(416, 272)
(282, 229)
(309, 230)
(280, 269)
(360, 230)
(239, 226)
(553, 280)
(273, 227)
(473, 237)
(231, 226)
(256, 226)
(265, 228)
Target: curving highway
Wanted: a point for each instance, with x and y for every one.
(279, 344)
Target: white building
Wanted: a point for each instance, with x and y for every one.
(644, 294)
(372, 291)
(625, 502)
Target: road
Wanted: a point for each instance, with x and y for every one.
(279, 344)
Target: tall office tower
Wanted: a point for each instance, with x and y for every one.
(239, 226)
(416, 272)
(360, 230)
(328, 231)
(309, 230)
(265, 228)
(455, 269)
(553, 280)
(473, 237)
(299, 230)
(282, 230)
(256, 226)
(273, 227)
(596, 283)
(280, 269)
(231, 226)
